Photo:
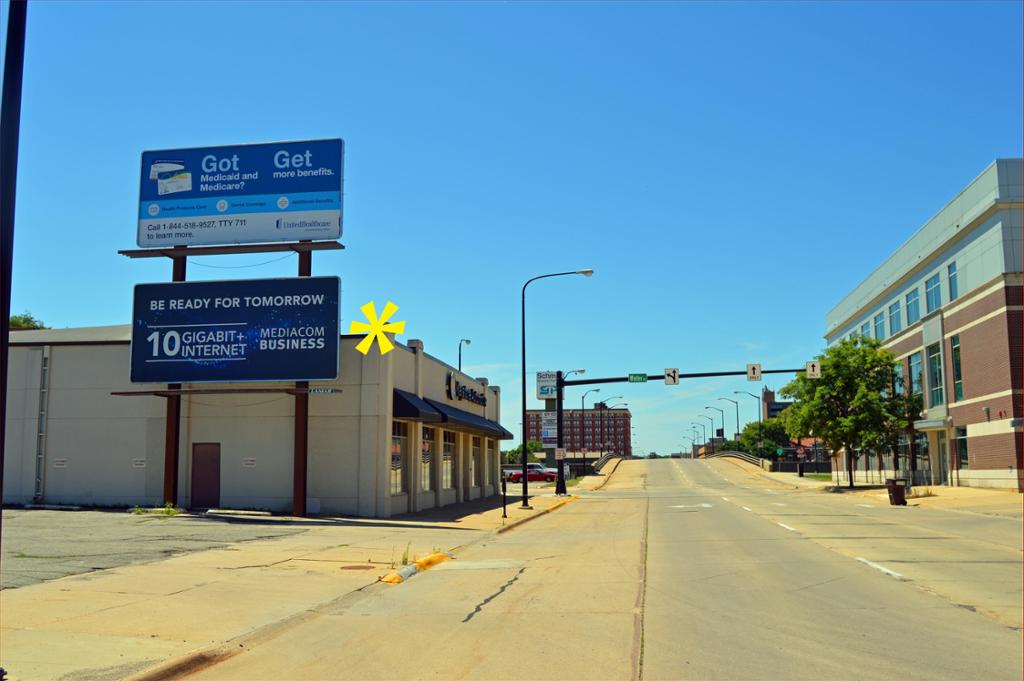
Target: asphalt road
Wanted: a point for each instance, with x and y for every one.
(681, 570)
(42, 545)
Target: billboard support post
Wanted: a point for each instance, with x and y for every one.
(172, 432)
(301, 449)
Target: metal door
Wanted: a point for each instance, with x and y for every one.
(206, 475)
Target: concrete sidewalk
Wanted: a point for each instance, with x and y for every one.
(112, 623)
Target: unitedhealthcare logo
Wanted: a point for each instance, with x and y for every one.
(283, 223)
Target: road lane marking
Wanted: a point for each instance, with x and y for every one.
(725, 499)
(692, 506)
(866, 505)
(786, 526)
(884, 569)
(776, 503)
(747, 509)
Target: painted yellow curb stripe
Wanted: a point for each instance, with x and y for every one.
(420, 565)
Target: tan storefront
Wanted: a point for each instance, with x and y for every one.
(400, 432)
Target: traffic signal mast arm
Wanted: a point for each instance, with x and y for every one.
(660, 377)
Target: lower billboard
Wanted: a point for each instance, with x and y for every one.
(242, 330)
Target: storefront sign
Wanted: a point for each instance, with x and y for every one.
(241, 194)
(245, 330)
(459, 391)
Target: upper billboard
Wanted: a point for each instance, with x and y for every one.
(243, 330)
(288, 191)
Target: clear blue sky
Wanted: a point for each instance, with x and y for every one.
(729, 170)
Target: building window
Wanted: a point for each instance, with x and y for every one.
(880, 326)
(913, 307)
(914, 364)
(895, 324)
(399, 443)
(961, 446)
(932, 294)
(475, 467)
(897, 380)
(958, 382)
(865, 330)
(934, 375)
(924, 461)
(427, 459)
(954, 290)
(447, 459)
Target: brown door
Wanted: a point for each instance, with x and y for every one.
(206, 475)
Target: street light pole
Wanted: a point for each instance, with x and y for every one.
(712, 440)
(461, 342)
(585, 273)
(760, 408)
(737, 414)
(722, 412)
(703, 430)
(624, 404)
(583, 409)
(600, 416)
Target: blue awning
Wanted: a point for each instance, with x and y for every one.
(472, 422)
(406, 405)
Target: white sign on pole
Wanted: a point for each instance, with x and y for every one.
(547, 385)
(813, 370)
(548, 429)
(559, 453)
(753, 372)
(672, 376)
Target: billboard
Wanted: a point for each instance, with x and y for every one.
(244, 330)
(547, 387)
(286, 191)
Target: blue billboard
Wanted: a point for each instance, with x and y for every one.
(285, 191)
(245, 330)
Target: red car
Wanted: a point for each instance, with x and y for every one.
(533, 475)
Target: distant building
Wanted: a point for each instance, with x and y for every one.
(948, 303)
(589, 430)
(770, 407)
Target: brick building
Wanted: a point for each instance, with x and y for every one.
(948, 303)
(771, 407)
(587, 429)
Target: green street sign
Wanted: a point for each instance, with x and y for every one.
(778, 452)
(638, 378)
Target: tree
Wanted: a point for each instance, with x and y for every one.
(21, 322)
(514, 455)
(846, 407)
(772, 431)
(901, 409)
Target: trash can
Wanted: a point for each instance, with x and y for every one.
(897, 491)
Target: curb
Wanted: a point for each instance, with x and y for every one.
(411, 570)
(549, 509)
(608, 475)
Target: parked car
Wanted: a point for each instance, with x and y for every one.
(540, 474)
(511, 469)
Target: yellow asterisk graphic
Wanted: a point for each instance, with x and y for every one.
(377, 327)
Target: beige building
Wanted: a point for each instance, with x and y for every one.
(400, 432)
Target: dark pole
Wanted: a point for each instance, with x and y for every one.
(172, 425)
(737, 405)
(460, 355)
(301, 444)
(760, 435)
(560, 484)
(10, 123)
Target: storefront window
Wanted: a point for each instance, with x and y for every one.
(427, 459)
(399, 445)
(924, 462)
(934, 376)
(447, 460)
(961, 446)
(958, 383)
(475, 465)
(492, 456)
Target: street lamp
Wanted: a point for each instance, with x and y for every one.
(585, 273)
(760, 408)
(600, 416)
(583, 409)
(712, 440)
(722, 412)
(463, 341)
(737, 404)
(566, 374)
(614, 406)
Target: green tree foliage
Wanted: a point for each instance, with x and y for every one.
(23, 321)
(847, 407)
(513, 455)
(773, 432)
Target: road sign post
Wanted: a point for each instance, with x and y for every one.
(813, 370)
(672, 376)
(753, 372)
